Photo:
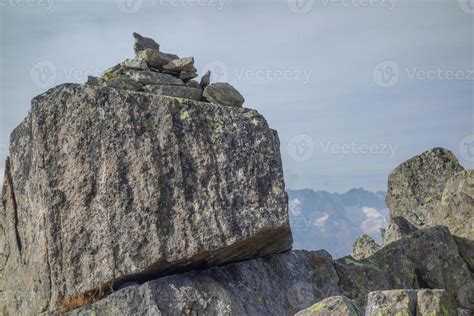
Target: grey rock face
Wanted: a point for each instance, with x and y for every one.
(391, 303)
(142, 43)
(224, 94)
(206, 79)
(416, 186)
(433, 302)
(187, 75)
(155, 58)
(398, 228)
(176, 91)
(456, 209)
(134, 63)
(428, 259)
(107, 186)
(151, 77)
(276, 285)
(334, 305)
(364, 247)
(124, 83)
(181, 64)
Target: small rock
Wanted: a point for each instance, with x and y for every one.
(147, 77)
(206, 79)
(142, 43)
(181, 64)
(398, 228)
(364, 247)
(175, 91)
(124, 83)
(93, 81)
(187, 75)
(394, 302)
(334, 305)
(134, 63)
(433, 302)
(193, 84)
(171, 72)
(224, 94)
(154, 58)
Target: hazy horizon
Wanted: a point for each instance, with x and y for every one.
(353, 87)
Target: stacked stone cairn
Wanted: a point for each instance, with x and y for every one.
(154, 71)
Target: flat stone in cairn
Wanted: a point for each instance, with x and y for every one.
(147, 77)
(134, 63)
(155, 58)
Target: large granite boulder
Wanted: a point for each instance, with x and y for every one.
(364, 247)
(415, 187)
(334, 305)
(224, 94)
(280, 284)
(104, 186)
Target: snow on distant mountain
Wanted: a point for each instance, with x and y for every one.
(333, 221)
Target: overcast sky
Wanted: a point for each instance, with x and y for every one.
(354, 87)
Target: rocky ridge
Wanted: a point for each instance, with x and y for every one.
(126, 197)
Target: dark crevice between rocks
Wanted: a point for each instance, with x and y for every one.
(239, 251)
(422, 284)
(9, 181)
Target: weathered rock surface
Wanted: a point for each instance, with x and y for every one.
(224, 94)
(124, 83)
(364, 247)
(391, 303)
(106, 186)
(142, 43)
(205, 79)
(334, 305)
(155, 58)
(398, 228)
(433, 303)
(175, 91)
(416, 186)
(276, 285)
(150, 77)
(180, 64)
(134, 63)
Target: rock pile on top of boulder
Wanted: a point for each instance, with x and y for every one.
(154, 71)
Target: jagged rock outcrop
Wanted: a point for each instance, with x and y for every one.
(106, 186)
(277, 285)
(428, 259)
(334, 305)
(415, 187)
(364, 247)
(398, 228)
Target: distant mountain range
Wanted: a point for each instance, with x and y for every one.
(332, 221)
